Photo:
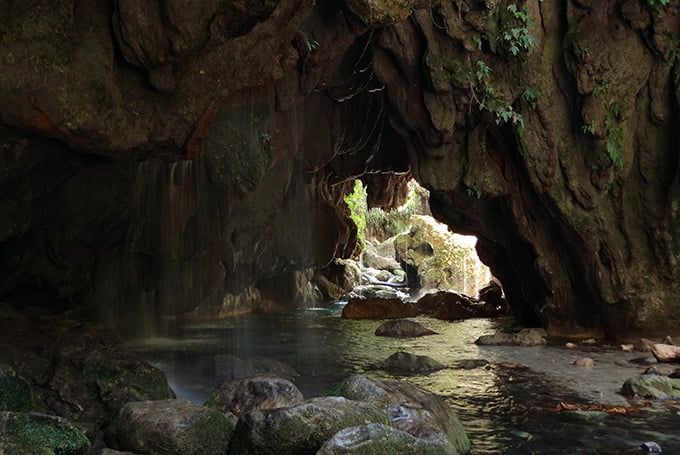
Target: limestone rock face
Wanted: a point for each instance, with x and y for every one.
(160, 156)
(170, 427)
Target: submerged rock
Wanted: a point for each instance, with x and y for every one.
(232, 367)
(584, 362)
(404, 362)
(34, 433)
(652, 386)
(406, 403)
(402, 328)
(250, 394)
(378, 308)
(377, 439)
(174, 427)
(300, 429)
(525, 337)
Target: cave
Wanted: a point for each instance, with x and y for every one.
(164, 161)
(201, 171)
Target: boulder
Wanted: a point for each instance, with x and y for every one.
(250, 394)
(378, 308)
(372, 258)
(300, 429)
(376, 290)
(452, 306)
(34, 433)
(170, 427)
(584, 362)
(402, 328)
(492, 293)
(79, 371)
(377, 439)
(15, 392)
(666, 352)
(652, 386)
(404, 402)
(406, 363)
(525, 337)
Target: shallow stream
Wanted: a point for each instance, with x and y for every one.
(504, 408)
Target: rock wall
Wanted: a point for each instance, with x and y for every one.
(176, 158)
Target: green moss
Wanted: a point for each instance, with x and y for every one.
(46, 431)
(16, 395)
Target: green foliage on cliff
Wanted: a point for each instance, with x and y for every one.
(356, 201)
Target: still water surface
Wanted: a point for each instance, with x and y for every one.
(504, 410)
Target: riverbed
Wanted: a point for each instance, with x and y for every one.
(506, 406)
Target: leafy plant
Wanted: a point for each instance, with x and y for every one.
(530, 96)
(519, 38)
(356, 201)
(473, 192)
(588, 129)
(614, 135)
(658, 4)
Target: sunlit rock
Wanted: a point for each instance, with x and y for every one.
(299, 429)
(378, 439)
(402, 328)
(171, 426)
(525, 337)
(251, 394)
(402, 401)
(666, 352)
(652, 386)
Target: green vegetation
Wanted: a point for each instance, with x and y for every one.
(485, 94)
(658, 4)
(530, 96)
(50, 432)
(382, 224)
(356, 201)
(519, 38)
(614, 135)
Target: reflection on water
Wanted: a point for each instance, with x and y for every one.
(504, 410)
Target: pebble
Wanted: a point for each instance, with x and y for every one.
(652, 370)
(651, 447)
(571, 345)
(627, 347)
(585, 362)
(589, 341)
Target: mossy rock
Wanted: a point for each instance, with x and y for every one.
(377, 439)
(40, 433)
(16, 394)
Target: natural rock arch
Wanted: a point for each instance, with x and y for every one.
(167, 152)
